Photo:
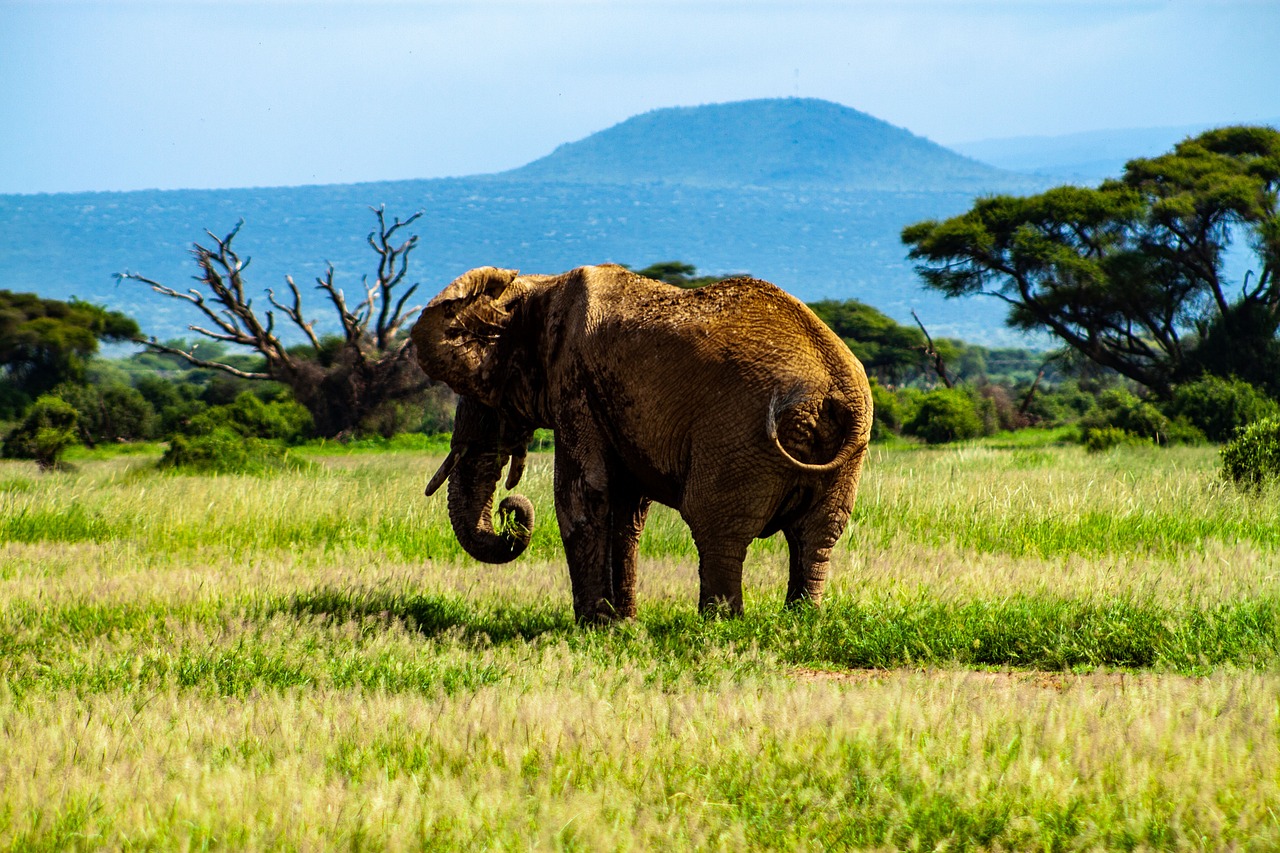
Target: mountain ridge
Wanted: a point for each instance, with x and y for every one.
(1089, 156)
(769, 142)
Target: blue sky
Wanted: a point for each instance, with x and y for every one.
(133, 94)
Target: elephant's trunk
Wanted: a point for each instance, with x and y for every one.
(471, 489)
(481, 449)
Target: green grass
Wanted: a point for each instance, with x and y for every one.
(344, 639)
(1024, 646)
(1031, 438)
(1046, 501)
(408, 441)
(1038, 501)
(82, 453)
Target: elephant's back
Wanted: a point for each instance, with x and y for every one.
(754, 322)
(737, 329)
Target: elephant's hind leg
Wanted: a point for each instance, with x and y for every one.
(810, 541)
(720, 558)
(724, 519)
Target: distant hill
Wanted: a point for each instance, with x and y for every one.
(1083, 157)
(765, 143)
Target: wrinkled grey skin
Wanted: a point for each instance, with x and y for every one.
(732, 403)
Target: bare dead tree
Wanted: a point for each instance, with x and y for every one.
(341, 382)
(939, 364)
(1052, 359)
(1031, 393)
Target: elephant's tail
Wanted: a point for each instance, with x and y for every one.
(853, 426)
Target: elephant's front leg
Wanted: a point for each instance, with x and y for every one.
(627, 517)
(583, 510)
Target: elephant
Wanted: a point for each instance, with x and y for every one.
(732, 403)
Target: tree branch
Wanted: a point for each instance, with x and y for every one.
(153, 344)
(351, 328)
(393, 264)
(930, 350)
(295, 313)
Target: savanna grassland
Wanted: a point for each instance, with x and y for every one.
(1024, 646)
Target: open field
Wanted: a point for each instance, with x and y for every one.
(1023, 647)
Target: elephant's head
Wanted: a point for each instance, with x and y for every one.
(460, 341)
(459, 335)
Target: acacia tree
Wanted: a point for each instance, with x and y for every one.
(44, 342)
(344, 380)
(888, 350)
(678, 273)
(1131, 274)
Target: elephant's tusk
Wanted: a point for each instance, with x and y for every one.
(517, 468)
(446, 468)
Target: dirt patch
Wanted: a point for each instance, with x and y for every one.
(804, 673)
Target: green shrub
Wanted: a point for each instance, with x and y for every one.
(161, 392)
(415, 441)
(247, 415)
(177, 418)
(1097, 439)
(222, 389)
(1252, 458)
(945, 414)
(429, 411)
(888, 411)
(998, 409)
(50, 427)
(391, 418)
(175, 403)
(1064, 403)
(110, 412)
(1123, 411)
(1220, 407)
(436, 408)
(225, 451)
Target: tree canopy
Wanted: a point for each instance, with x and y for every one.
(891, 352)
(45, 341)
(678, 273)
(1132, 274)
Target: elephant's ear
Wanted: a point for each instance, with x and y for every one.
(484, 314)
(484, 283)
(458, 333)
